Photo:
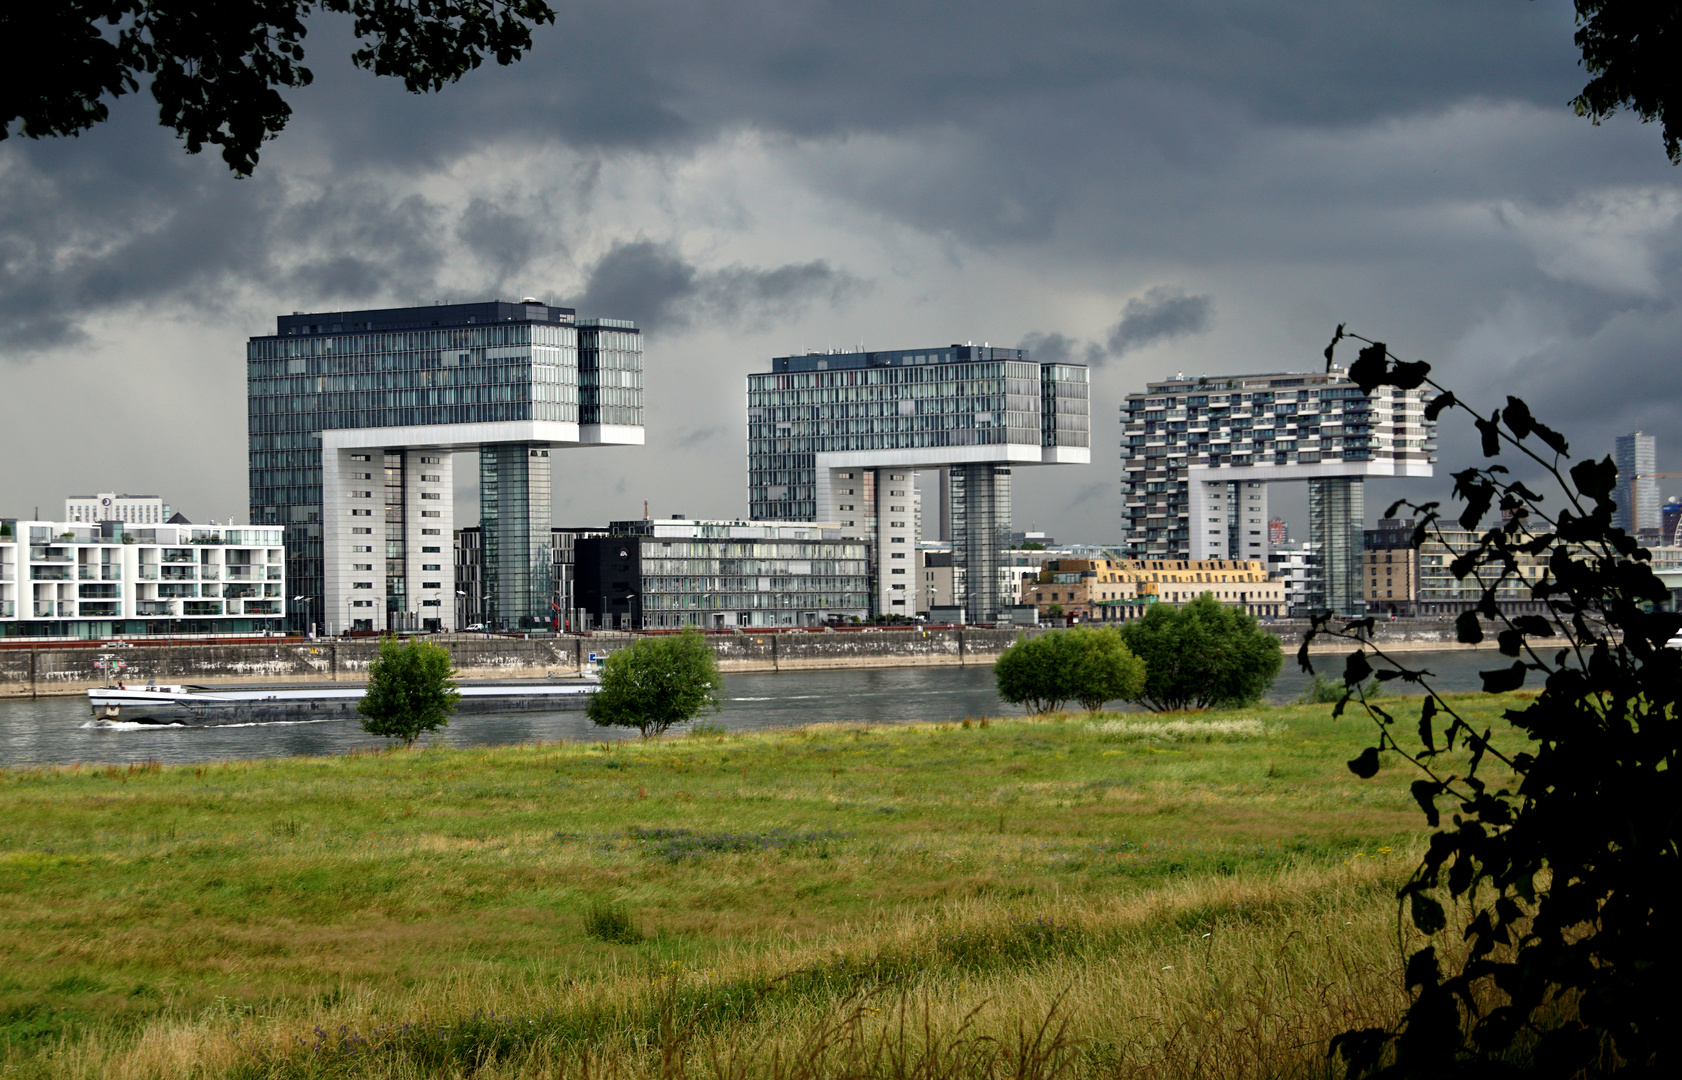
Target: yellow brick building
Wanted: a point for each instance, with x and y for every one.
(1114, 590)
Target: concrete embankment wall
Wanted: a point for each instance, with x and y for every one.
(47, 669)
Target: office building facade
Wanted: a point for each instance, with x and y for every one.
(840, 437)
(77, 579)
(1636, 456)
(355, 418)
(1199, 453)
(715, 575)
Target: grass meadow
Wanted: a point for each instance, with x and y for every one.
(1119, 895)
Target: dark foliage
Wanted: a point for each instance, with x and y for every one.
(1632, 50)
(217, 69)
(1202, 655)
(1571, 874)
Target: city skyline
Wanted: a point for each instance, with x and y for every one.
(1148, 193)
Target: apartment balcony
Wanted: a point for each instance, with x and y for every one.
(201, 607)
(147, 572)
(244, 572)
(49, 573)
(154, 609)
(180, 573)
(85, 572)
(8, 609)
(178, 556)
(236, 592)
(210, 572)
(45, 609)
(276, 573)
(260, 607)
(101, 609)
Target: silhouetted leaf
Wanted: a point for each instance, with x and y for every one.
(1409, 376)
(1428, 916)
(1427, 735)
(1518, 419)
(1425, 793)
(1368, 370)
(1556, 442)
(1356, 669)
(1437, 404)
(1503, 680)
(1491, 434)
(1596, 479)
(1510, 642)
(1337, 336)
(1467, 628)
(1366, 764)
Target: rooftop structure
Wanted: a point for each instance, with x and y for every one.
(355, 418)
(840, 437)
(110, 506)
(1199, 454)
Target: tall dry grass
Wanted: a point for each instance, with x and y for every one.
(1235, 977)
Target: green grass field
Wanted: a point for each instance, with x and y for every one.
(1205, 894)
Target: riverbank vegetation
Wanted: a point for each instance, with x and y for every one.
(1105, 895)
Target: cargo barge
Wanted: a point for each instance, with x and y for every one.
(186, 704)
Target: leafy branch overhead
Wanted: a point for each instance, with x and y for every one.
(1570, 869)
(217, 69)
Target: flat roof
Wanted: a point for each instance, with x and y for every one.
(941, 354)
(320, 323)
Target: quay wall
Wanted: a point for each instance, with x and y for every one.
(49, 669)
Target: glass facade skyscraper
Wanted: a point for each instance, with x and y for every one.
(839, 437)
(354, 419)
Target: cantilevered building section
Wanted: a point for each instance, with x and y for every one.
(354, 420)
(840, 437)
(1198, 455)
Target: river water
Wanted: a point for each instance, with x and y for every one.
(60, 730)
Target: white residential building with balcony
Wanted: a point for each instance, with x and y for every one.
(115, 579)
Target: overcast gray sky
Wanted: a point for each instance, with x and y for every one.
(1153, 188)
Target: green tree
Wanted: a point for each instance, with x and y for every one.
(1084, 665)
(411, 690)
(1203, 655)
(657, 683)
(1566, 867)
(1054, 611)
(216, 68)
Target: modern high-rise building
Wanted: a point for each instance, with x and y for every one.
(1636, 456)
(355, 418)
(840, 437)
(1199, 454)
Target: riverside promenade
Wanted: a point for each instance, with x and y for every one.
(49, 669)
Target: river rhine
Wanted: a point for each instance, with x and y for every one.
(59, 730)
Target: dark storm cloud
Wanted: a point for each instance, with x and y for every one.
(657, 287)
(1055, 348)
(502, 240)
(1162, 314)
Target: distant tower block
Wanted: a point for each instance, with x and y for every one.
(355, 418)
(1198, 456)
(839, 438)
